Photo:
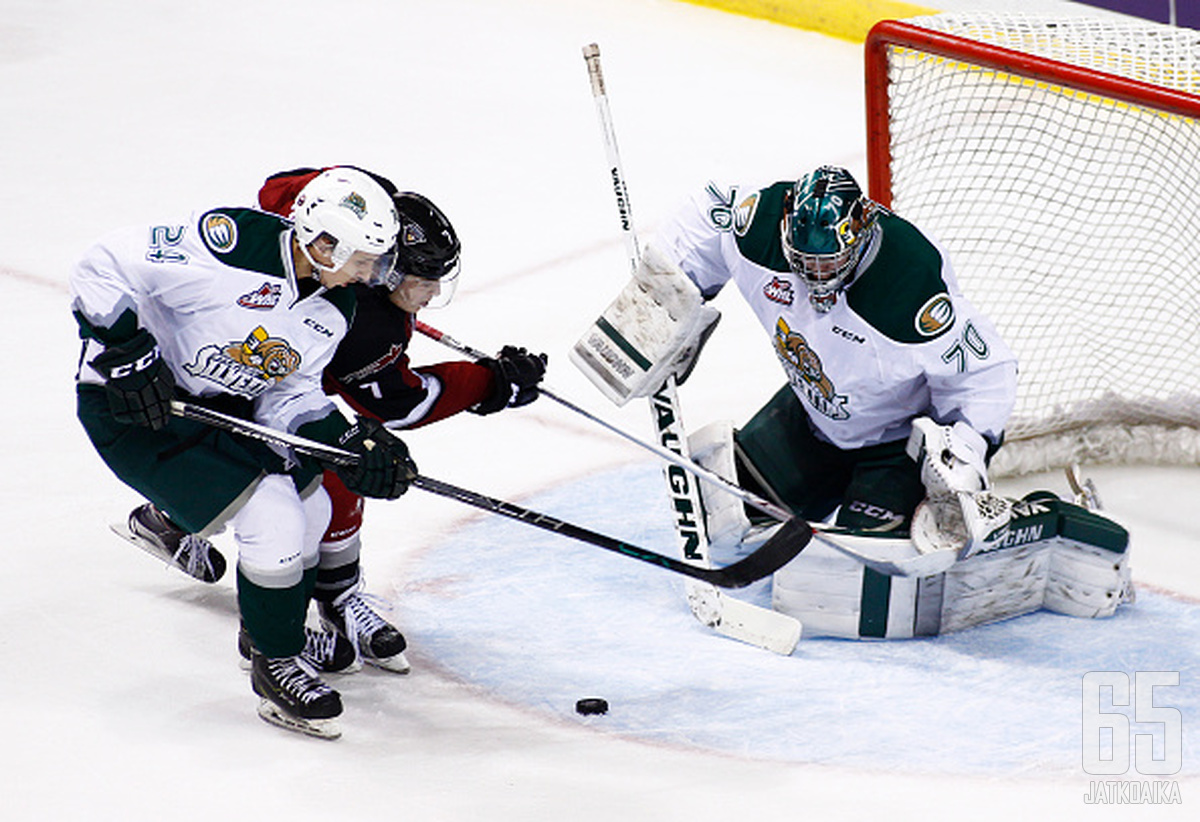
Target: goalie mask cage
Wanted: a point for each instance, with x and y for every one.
(1058, 163)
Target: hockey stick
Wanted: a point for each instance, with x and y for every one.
(673, 457)
(773, 555)
(730, 617)
(1083, 489)
(856, 545)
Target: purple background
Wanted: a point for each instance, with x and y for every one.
(1187, 12)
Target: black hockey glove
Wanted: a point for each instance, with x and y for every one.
(384, 470)
(516, 373)
(140, 385)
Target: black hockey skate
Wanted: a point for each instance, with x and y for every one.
(376, 639)
(293, 697)
(327, 652)
(151, 530)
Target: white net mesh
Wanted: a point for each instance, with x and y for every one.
(1073, 220)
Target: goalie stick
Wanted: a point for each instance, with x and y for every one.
(665, 401)
(773, 555)
(728, 616)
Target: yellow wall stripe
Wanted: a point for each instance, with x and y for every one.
(847, 19)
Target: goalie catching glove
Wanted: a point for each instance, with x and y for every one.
(384, 469)
(139, 384)
(516, 373)
(951, 457)
(959, 513)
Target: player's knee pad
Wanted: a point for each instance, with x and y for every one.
(278, 533)
(346, 517)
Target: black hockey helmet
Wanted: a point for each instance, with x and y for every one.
(428, 246)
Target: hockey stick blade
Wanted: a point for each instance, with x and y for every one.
(774, 554)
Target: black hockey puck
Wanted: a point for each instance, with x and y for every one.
(591, 705)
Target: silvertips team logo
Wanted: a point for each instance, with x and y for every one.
(806, 373)
(248, 367)
(356, 203)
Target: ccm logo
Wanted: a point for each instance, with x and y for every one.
(316, 326)
(850, 335)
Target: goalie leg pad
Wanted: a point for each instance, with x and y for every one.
(823, 589)
(655, 327)
(1052, 555)
(1086, 581)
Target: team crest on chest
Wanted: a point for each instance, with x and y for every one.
(247, 367)
(393, 355)
(779, 291)
(265, 296)
(807, 375)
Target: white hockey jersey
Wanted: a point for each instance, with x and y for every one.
(901, 342)
(219, 293)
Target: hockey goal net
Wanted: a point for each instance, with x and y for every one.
(1058, 162)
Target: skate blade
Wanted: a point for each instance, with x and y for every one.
(320, 728)
(397, 664)
(121, 529)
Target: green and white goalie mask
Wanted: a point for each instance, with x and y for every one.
(827, 225)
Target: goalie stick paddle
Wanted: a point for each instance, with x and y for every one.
(783, 546)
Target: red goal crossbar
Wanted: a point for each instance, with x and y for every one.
(888, 34)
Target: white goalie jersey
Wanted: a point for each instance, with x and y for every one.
(901, 342)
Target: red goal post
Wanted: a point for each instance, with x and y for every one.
(1058, 162)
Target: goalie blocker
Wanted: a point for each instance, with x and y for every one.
(655, 327)
(1050, 554)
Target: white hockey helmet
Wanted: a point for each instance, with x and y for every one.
(348, 207)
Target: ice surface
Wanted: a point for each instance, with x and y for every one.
(124, 698)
